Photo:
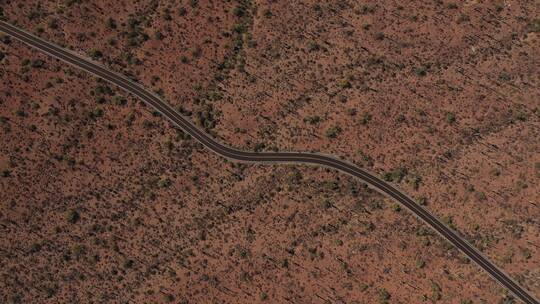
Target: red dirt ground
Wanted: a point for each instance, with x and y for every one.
(103, 201)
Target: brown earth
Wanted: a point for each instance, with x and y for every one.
(103, 201)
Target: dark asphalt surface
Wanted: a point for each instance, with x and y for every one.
(265, 157)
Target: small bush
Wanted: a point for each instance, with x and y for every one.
(313, 46)
(196, 52)
(421, 71)
(98, 112)
(535, 25)
(384, 295)
(268, 13)
(53, 24)
(96, 54)
(239, 11)
(164, 183)
(312, 119)
(5, 38)
(72, 216)
(396, 175)
(111, 23)
(345, 84)
(333, 132)
(21, 113)
(463, 18)
(128, 264)
(365, 9)
(169, 298)
(436, 291)
(450, 117)
(119, 100)
(366, 118)
(159, 36)
(521, 115)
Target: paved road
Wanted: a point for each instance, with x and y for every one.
(265, 157)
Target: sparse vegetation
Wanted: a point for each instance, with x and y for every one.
(312, 120)
(380, 87)
(366, 118)
(395, 175)
(95, 54)
(384, 295)
(333, 132)
(72, 216)
(450, 117)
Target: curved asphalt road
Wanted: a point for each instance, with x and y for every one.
(278, 157)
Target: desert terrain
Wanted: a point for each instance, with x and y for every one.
(103, 201)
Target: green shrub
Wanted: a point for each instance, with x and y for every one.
(21, 113)
(37, 63)
(313, 46)
(312, 119)
(128, 263)
(345, 84)
(111, 23)
(463, 18)
(415, 182)
(239, 11)
(96, 54)
(450, 117)
(535, 25)
(333, 132)
(169, 298)
(396, 175)
(53, 24)
(384, 295)
(98, 112)
(268, 13)
(436, 291)
(119, 100)
(164, 182)
(521, 115)
(366, 118)
(196, 52)
(421, 70)
(72, 216)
